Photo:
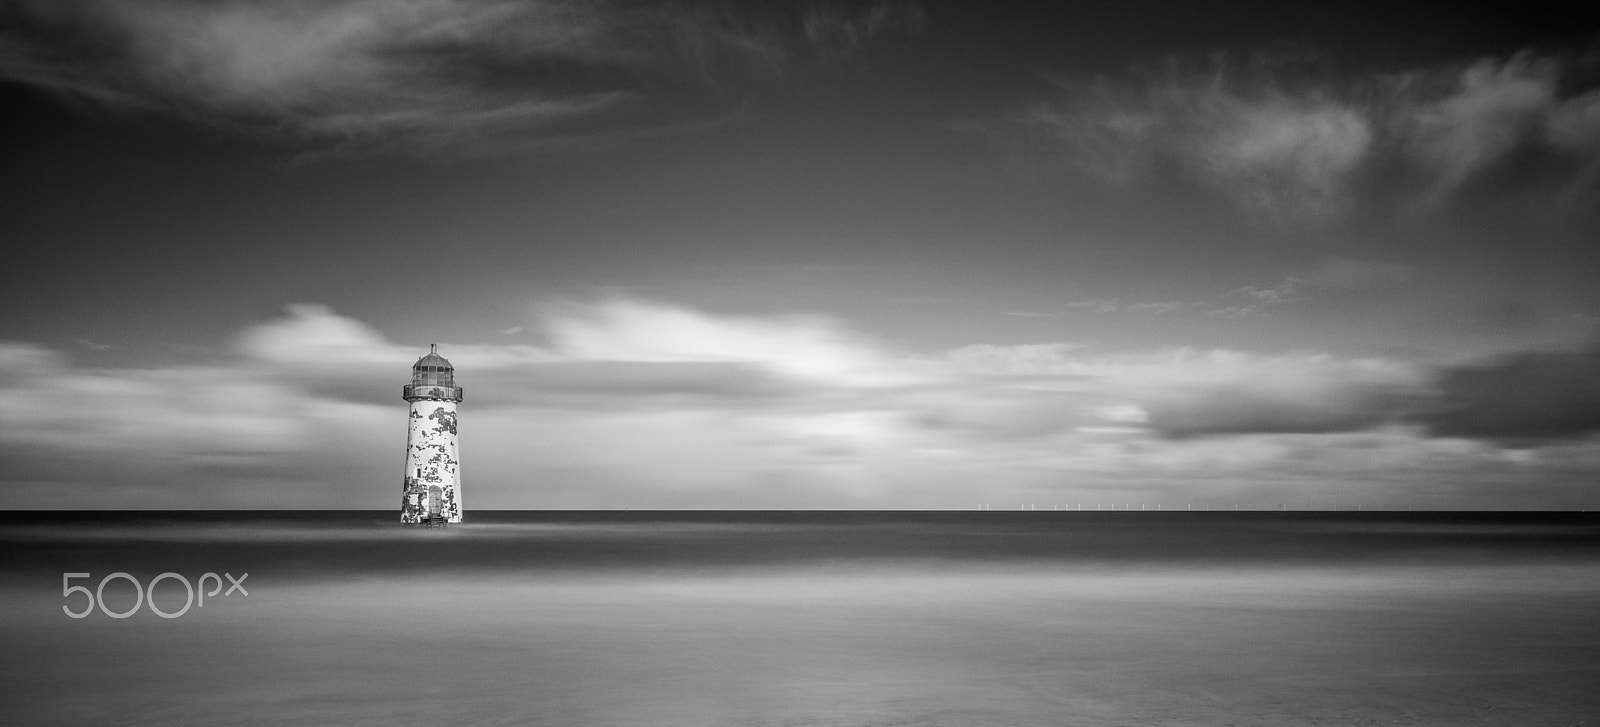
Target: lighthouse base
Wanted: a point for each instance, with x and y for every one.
(424, 504)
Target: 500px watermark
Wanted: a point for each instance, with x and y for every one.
(146, 594)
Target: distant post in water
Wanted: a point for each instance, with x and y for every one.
(432, 489)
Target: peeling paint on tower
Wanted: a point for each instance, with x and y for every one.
(447, 419)
(431, 488)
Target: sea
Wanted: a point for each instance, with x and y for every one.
(793, 619)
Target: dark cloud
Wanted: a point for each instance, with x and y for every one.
(436, 77)
(1252, 410)
(1525, 399)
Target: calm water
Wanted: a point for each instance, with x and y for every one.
(791, 619)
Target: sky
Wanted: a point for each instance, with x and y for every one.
(803, 254)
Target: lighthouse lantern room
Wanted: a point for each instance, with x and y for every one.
(432, 490)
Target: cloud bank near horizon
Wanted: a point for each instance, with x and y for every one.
(793, 412)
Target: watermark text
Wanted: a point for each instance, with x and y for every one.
(194, 594)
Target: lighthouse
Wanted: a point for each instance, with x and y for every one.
(432, 490)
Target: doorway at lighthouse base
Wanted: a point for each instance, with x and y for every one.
(423, 501)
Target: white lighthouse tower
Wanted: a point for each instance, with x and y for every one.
(432, 491)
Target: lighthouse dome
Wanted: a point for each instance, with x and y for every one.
(434, 360)
(433, 370)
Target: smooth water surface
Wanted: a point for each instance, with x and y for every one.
(824, 618)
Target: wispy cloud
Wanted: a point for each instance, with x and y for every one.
(1280, 153)
(443, 77)
(1327, 274)
(1286, 290)
(1487, 112)
(1288, 141)
(835, 31)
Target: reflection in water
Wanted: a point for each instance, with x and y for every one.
(835, 619)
